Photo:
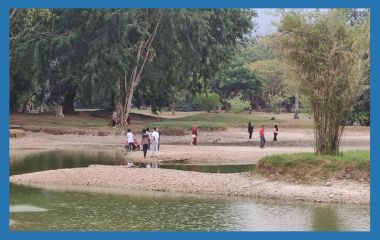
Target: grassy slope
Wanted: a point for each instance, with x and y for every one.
(216, 121)
(306, 166)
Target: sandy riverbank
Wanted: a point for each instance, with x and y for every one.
(106, 178)
(172, 149)
(119, 178)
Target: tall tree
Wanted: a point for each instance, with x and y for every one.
(327, 53)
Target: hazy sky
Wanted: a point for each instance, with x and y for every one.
(264, 21)
(267, 16)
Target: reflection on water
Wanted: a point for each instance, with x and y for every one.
(73, 211)
(70, 211)
(26, 208)
(61, 159)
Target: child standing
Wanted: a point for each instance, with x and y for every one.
(275, 133)
(130, 140)
(194, 135)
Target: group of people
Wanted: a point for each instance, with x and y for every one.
(149, 140)
(262, 133)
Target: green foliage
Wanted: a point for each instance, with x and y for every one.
(238, 105)
(327, 54)
(276, 102)
(209, 102)
(84, 53)
(236, 79)
(306, 166)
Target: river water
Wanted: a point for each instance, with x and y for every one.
(35, 209)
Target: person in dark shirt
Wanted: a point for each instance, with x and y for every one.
(250, 130)
(275, 133)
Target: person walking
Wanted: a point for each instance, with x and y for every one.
(145, 141)
(154, 139)
(262, 137)
(275, 133)
(250, 131)
(150, 137)
(130, 140)
(194, 135)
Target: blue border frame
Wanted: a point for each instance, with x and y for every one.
(4, 120)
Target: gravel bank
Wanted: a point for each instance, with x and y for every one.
(125, 179)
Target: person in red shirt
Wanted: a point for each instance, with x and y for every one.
(262, 137)
(194, 135)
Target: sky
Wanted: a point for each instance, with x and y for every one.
(266, 16)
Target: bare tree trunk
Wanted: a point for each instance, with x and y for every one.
(143, 54)
(173, 107)
(59, 110)
(296, 105)
(68, 103)
(118, 101)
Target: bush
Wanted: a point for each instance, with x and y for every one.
(209, 102)
(238, 106)
(276, 102)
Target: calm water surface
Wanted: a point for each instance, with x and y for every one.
(42, 210)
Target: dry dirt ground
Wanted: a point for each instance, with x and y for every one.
(228, 147)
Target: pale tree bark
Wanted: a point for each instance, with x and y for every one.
(59, 110)
(144, 54)
(118, 100)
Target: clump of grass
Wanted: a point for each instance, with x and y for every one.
(309, 166)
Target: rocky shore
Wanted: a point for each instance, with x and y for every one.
(102, 178)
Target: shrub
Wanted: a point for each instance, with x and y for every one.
(238, 106)
(209, 102)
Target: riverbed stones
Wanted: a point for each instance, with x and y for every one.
(125, 179)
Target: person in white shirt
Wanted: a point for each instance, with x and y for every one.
(130, 140)
(155, 138)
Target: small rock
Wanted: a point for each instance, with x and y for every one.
(328, 184)
(331, 196)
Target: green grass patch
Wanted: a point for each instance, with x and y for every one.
(91, 122)
(306, 166)
(217, 121)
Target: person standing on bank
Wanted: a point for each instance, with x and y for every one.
(159, 139)
(194, 135)
(262, 137)
(145, 141)
(130, 140)
(155, 138)
(250, 131)
(275, 133)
